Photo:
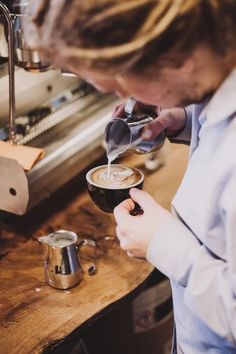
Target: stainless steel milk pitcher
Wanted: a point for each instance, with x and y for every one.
(62, 265)
(122, 134)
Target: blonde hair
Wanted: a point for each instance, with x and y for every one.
(121, 35)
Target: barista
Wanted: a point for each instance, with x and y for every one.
(172, 53)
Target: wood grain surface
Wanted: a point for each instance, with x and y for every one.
(32, 314)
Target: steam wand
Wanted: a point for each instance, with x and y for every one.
(11, 72)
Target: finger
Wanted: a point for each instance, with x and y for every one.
(143, 199)
(155, 128)
(119, 111)
(122, 211)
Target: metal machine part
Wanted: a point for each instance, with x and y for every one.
(11, 69)
(26, 58)
(18, 52)
(66, 118)
(33, 123)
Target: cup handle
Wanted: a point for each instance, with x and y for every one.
(137, 210)
(85, 242)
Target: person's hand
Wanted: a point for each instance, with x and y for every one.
(135, 232)
(171, 120)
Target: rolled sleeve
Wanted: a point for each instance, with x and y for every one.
(184, 136)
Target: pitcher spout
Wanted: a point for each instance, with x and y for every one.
(44, 239)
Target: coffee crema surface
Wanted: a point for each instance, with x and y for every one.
(121, 177)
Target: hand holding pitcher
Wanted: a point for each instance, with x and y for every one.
(122, 134)
(169, 121)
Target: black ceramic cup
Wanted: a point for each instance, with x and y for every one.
(107, 197)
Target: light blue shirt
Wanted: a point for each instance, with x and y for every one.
(197, 249)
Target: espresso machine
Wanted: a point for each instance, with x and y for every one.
(48, 109)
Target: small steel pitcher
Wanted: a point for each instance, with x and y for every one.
(124, 134)
(61, 260)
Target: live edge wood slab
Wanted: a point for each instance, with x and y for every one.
(32, 314)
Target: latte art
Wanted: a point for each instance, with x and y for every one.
(120, 177)
(108, 189)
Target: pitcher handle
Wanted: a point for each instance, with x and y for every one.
(130, 104)
(85, 242)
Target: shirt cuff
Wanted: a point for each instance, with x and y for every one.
(184, 136)
(172, 250)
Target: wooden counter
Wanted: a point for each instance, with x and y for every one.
(32, 314)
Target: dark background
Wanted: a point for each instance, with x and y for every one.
(8, 3)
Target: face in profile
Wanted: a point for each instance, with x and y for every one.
(167, 87)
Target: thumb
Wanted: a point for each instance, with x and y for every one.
(142, 198)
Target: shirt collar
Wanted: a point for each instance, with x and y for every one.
(223, 102)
